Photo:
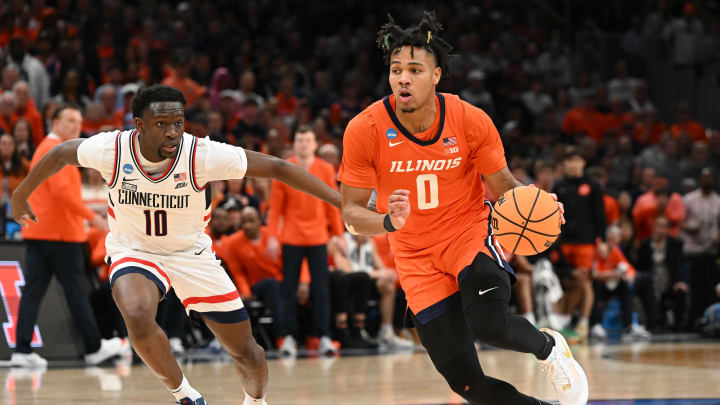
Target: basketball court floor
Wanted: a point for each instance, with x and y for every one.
(660, 373)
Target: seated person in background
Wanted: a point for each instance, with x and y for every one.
(254, 261)
(359, 263)
(662, 279)
(523, 287)
(613, 275)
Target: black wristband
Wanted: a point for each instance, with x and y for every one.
(387, 224)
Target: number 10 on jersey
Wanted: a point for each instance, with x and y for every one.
(160, 217)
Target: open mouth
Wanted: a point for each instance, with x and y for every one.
(404, 96)
(170, 148)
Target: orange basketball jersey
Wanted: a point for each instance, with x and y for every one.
(441, 167)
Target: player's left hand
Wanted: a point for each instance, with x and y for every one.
(561, 207)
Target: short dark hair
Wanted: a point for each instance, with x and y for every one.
(302, 129)
(154, 94)
(425, 35)
(63, 107)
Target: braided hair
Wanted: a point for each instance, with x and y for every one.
(391, 37)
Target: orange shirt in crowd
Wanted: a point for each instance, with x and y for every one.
(191, 89)
(694, 129)
(300, 219)
(57, 202)
(650, 136)
(250, 262)
(587, 120)
(612, 209)
(96, 243)
(613, 259)
(646, 210)
(14, 180)
(6, 123)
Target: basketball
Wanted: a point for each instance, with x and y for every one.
(526, 221)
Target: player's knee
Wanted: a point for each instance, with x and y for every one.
(463, 374)
(137, 313)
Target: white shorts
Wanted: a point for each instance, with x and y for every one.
(201, 284)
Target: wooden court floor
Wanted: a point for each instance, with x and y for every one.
(619, 375)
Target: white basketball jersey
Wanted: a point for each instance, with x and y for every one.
(160, 212)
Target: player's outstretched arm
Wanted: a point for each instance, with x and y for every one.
(59, 156)
(359, 220)
(266, 166)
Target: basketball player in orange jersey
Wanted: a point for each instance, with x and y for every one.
(425, 153)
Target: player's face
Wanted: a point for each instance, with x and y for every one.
(413, 77)
(161, 129)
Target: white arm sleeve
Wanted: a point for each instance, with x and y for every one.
(98, 152)
(218, 161)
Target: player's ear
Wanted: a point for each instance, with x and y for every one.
(139, 124)
(437, 74)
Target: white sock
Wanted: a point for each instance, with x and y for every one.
(530, 317)
(584, 322)
(386, 329)
(252, 401)
(185, 390)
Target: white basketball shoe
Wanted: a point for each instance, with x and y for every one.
(564, 372)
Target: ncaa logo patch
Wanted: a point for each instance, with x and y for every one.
(391, 133)
(127, 168)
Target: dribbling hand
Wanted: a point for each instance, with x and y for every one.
(399, 207)
(21, 211)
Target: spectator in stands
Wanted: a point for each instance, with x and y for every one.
(640, 103)
(247, 89)
(248, 131)
(55, 246)
(536, 100)
(585, 214)
(622, 87)
(307, 224)
(22, 133)
(662, 279)
(112, 117)
(32, 68)
(360, 267)
(476, 93)
(648, 128)
(612, 210)
(179, 76)
(692, 165)
(622, 164)
(523, 287)
(7, 111)
(13, 166)
(658, 201)
(25, 108)
(322, 95)
(685, 124)
(253, 258)
(71, 91)
(10, 76)
(701, 235)
(613, 275)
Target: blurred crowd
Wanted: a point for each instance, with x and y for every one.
(257, 73)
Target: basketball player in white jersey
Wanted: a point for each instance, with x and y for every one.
(158, 209)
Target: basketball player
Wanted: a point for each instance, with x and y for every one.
(425, 152)
(159, 206)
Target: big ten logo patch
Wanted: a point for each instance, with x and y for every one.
(11, 279)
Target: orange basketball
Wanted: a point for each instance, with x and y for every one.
(526, 221)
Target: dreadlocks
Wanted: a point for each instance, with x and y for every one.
(391, 37)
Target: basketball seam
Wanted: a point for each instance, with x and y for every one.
(518, 225)
(519, 237)
(527, 222)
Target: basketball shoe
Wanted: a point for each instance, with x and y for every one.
(565, 373)
(188, 401)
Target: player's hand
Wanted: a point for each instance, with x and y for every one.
(399, 207)
(21, 211)
(561, 207)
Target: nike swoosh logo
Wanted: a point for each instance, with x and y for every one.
(126, 179)
(486, 291)
(198, 253)
(395, 144)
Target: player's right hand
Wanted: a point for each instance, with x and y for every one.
(399, 207)
(21, 211)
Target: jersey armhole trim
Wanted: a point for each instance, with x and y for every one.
(116, 165)
(193, 181)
